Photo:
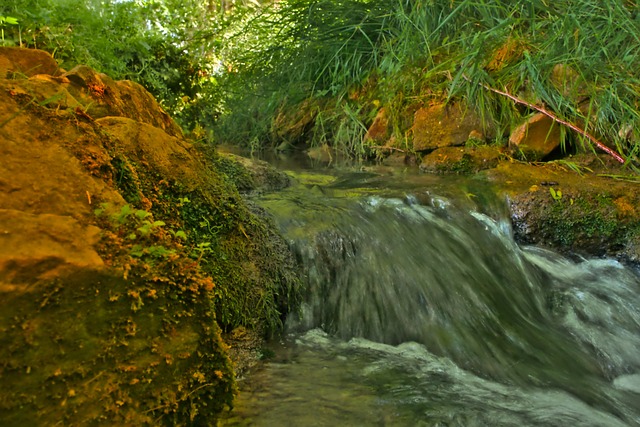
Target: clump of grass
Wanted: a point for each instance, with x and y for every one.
(578, 59)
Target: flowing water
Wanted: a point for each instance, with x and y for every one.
(421, 310)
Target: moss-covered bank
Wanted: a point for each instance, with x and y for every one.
(592, 213)
(125, 257)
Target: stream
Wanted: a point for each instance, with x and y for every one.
(421, 310)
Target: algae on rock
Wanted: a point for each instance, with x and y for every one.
(124, 258)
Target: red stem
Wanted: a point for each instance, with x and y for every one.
(555, 118)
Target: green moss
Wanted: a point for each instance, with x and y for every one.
(139, 342)
(125, 179)
(128, 342)
(464, 166)
(586, 222)
(249, 263)
(235, 173)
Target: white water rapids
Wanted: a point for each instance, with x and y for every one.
(425, 314)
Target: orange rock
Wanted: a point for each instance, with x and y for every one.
(378, 132)
(537, 137)
(27, 62)
(444, 126)
(104, 97)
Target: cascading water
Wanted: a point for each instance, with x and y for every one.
(450, 322)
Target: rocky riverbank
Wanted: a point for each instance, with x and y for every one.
(132, 270)
(128, 262)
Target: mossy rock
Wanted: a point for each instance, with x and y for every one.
(460, 160)
(125, 256)
(249, 175)
(589, 214)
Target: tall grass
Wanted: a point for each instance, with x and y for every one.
(404, 52)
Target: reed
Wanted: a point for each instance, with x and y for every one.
(375, 49)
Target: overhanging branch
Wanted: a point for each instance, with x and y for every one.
(553, 117)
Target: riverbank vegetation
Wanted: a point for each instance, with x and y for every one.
(578, 59)
(249, 72)
(134, 271)
(168, 46)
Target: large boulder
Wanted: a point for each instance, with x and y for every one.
(91, 333)
(123, 256)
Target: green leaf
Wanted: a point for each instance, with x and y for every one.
(142, 214)
(125, 211)
(145, 230)
(137, 251)
(8, 20)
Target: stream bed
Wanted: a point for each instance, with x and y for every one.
(421, 310)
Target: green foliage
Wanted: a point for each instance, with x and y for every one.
(138, 226)
(231, 74)
(556, 195)
(5, 21)
(578, 58)
(168, 46)
(200, 250)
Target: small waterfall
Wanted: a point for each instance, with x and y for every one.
(396, 271)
